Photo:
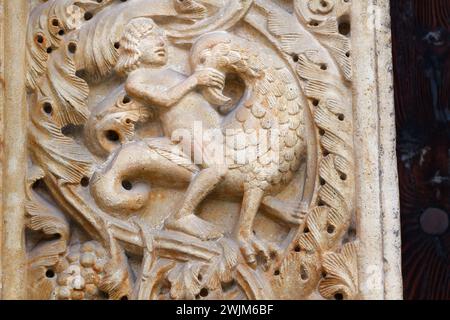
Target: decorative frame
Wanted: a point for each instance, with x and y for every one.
(359, 178)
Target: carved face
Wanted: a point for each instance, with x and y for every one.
(154, 49)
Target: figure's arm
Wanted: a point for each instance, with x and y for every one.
(169, 97)
(164, 98)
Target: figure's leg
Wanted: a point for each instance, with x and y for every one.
(185, 220)
(205, 182)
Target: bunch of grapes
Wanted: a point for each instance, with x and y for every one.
(80, 272)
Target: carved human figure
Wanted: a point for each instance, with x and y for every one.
(143, 58)
(264, 110)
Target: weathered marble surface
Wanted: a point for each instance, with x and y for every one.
(291, 196)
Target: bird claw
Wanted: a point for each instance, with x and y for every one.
(252, 248)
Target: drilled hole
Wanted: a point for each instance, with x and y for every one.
(339, 296)
(297, 248)
(84, 182)
(80, 73)
(48, 109)
(341, 117)
(126, 99)
(72, 47)
(117, 45)
(295, 58)
(50, 273)
(276, 273)
(112, 135)
(344, 28)
(204, 292)
(127, 185)
(330, 229)
(88, 16)
(55, 22)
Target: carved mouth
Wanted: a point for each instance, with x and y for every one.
(160, 52)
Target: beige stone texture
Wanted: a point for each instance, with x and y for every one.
(198, 149)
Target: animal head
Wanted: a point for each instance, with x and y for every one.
(227, 54)
(112, 122)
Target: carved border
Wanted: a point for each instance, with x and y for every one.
(377, 199)
(15, 116)
(376, 193)
(2, 102)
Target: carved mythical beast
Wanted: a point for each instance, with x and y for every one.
(271, 108)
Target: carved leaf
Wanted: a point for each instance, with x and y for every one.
(184, 280)
(68, 92)
(59, 155)
(222, 269)
(297, 276)
(342, 273)
(323, 20)
(49, 23)
(315, 238)
(116, 281)
(191, 9)
(42, 217)
(46, 219)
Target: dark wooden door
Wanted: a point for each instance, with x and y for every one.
(421, 47)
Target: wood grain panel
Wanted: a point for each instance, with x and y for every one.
(421, 47)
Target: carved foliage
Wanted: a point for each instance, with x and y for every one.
(73, 48)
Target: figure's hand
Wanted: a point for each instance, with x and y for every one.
(209, 78)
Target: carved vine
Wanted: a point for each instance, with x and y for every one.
(73, 44)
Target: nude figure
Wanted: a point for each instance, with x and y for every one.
(143, 58)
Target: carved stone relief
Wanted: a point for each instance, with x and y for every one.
(190, 149)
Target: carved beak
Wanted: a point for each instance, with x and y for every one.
(215, 96)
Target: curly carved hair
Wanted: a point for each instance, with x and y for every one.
(129, 53)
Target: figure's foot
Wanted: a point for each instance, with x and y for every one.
(294, 214)
(253, 247)
(289, 212)
(194, 226)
